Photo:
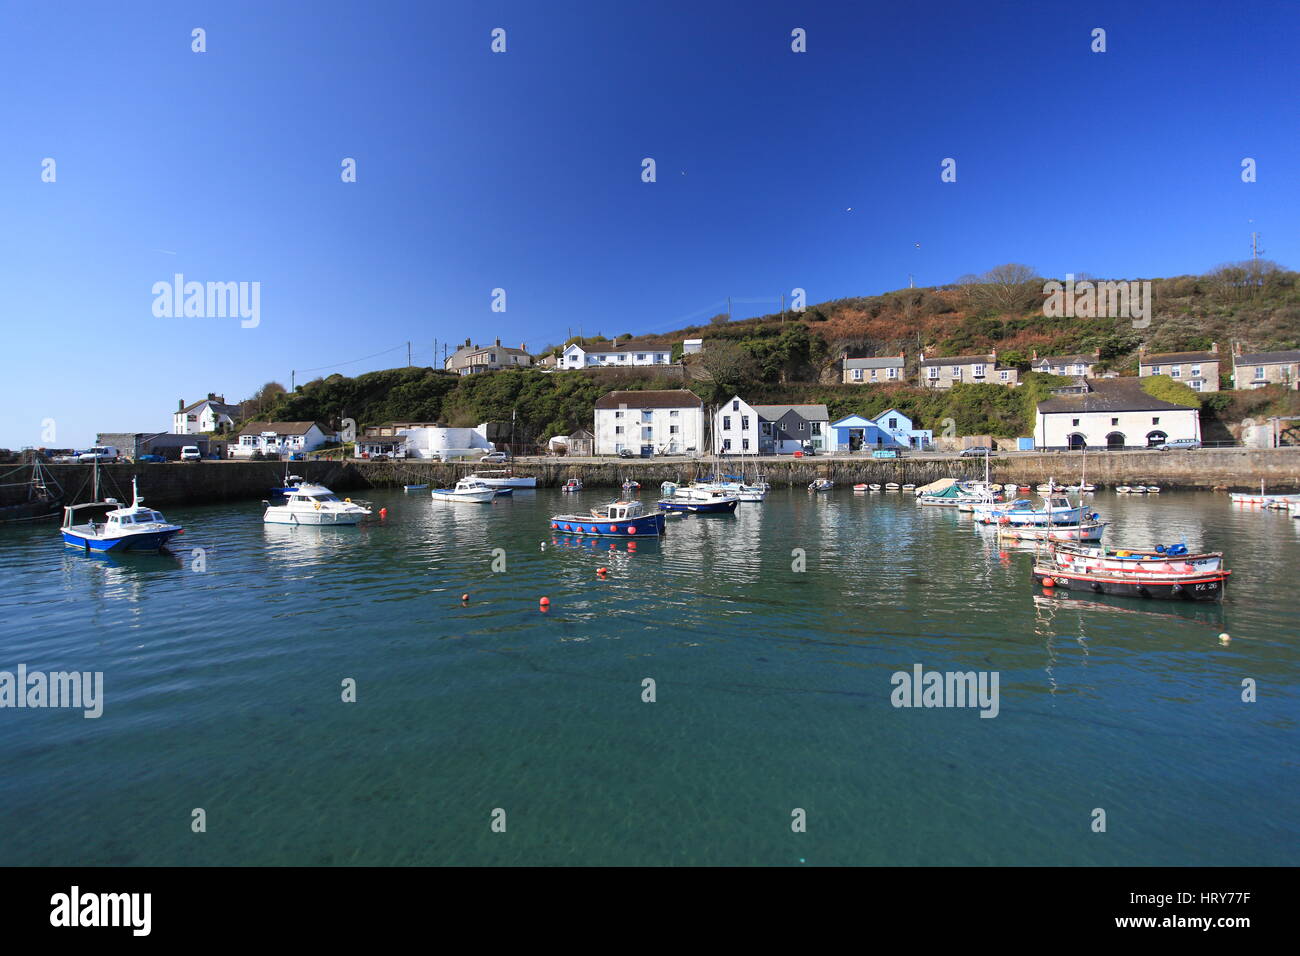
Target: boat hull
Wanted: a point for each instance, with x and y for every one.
(143, 541)
(700, 507)
(1190, 587)
(470, 497)
(1087, 532)
(275, 515)
(641, 526)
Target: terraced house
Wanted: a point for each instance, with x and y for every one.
(959, 369)
(740, 428)
(1257, 369)
(873, 371)
(1200, 370)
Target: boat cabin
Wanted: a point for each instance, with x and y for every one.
(623, 510)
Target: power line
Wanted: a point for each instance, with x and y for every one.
(353, 361)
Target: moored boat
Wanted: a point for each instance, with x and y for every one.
(503, 479)
(718, 502)
(572, 485)
(133, 528)
(415, 487)
(468, 490)
(1175, 558)
(1083, 531)
(618, 519)
(1171, 586)
(821, 484)
(313, 504)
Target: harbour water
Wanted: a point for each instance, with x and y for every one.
(771, 637)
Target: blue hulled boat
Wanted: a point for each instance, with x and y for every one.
(701, 500)
(135, 528)
(618, 519)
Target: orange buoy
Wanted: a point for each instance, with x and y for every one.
(464, 598)
(602, 571)
(544, 602)
(631, 529)
(383, 512)
(1048, 583)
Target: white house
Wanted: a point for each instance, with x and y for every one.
(692, 346)
(743, 429)
(616, 356)
(657, 422)
(211, 414)
(469, 359)
(1114, 413)
(441, 442)
(279, 438)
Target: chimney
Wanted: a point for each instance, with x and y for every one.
(1034, 355)
(498, 343)
(212, 396)
(523, 346)
(1214, 347)
(994, 355)
(467, 343)
(180, 404)
(902, 356)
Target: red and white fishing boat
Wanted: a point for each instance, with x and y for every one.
(1175, 559)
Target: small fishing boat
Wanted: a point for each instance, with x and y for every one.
(874, 486)
(572, 485)
(312, 504)
(618, 519)
(821, 484)
(43, 497)
(717, 502)
(909, 487)
(1055, 510)
(1152, 490)
(630, 486)
(134, 528)
(1048, 489)
(1131, 490)
(1083, 531)
(860, 489)
(1165, 585)
(891, 486)
(504, 492)
(468, 490)
(668, 489)
(415, 487)
(1263, 500)
(1175, 558)
(731, 484)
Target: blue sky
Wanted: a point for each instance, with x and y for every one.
(522, 170)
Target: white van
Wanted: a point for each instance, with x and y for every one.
(191, 453)
(100, 453)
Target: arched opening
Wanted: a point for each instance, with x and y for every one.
(1115, 440)
(1156, 438)
(1077, 441)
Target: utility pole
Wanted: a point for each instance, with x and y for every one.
(292, 375)
(1255, 250)
(728, 308)
(783, 308)
(408, 353)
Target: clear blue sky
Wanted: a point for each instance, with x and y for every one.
(522, 170)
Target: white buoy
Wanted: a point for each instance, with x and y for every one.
(1224, 638)
(543, 545)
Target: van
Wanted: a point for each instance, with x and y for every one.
(100, 453)
(191, 453)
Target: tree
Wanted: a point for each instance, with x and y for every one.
(262, 399)
(728, 364)
(720, 319)
(1010, 288)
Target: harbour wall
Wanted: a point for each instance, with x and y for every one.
(215, 481)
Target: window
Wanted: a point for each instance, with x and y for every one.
(1196, 371)
(647, 434)
(893, 424)
(618, 414)
(932, 372)
(1176, 372)
(1074, 422)
(674, 414)
(735, 405)
(640, 357)
(1079, 369)
(766, 428)
(873, 374)
(857, 375)
(801, 425)
(816, 428)
(744, 423)
(726, 423)
(893, 373)
(1259, 371)
(956, 371)
(1155, 369)
(1196, 385)
(726, 444)
(1114, 421)
(978, 371)
(646, 415)
(1155, 420)
(618, 429)
(1004, 375)
(674, 429)
(744, 444)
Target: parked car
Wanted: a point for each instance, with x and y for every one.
(154, 459)
(191, 453)
(979, 451)
(1178, 443)
(495, 456)
(808, 450)
(100, 453)
(626, 453)
(64, 460)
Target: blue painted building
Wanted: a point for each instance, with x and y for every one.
(889, 429)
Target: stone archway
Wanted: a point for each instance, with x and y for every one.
(1115, 441)
(1156, 437)
(1076, 441)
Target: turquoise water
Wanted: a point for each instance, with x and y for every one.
(223, 691)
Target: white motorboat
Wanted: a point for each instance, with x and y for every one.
(468, 489)
(312, 504)
(503, 479)
(133, 528)
(737, 488)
